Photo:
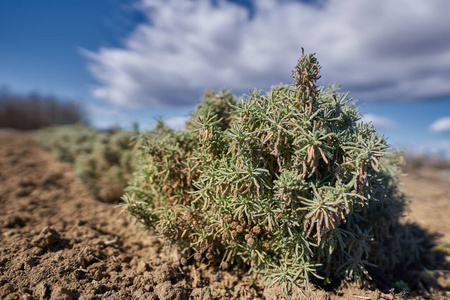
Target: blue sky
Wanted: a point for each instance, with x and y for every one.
(136, 60)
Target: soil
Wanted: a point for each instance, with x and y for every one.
(58, 242)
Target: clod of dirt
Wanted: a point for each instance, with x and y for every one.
(165, 273)
(42, 290)
(61, 293)
(14, 221)
(27, 261)
(166, 291)
(6, 289)
(46, 238)
(201, 294)
(142, 267)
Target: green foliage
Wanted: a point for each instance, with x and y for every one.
(103, 160)
(288, 182)
(219, 107)
(66, 142)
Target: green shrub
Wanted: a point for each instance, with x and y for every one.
(66, 142)
(103, 161)
(288, 182)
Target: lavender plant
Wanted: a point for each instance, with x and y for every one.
(106, 169)
(288, 182)
(66, 142)
(103, 161)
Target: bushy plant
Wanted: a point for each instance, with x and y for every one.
(108, 167)
(66, 142)
(103, 160)
(288, 182)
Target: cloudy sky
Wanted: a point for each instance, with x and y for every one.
(135, 60)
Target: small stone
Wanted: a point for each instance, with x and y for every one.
(37, 251)
(46, 238)
(9, 233)
(29, 263)
(41, 290)
(142, 267)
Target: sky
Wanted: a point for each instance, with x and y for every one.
(134, 61)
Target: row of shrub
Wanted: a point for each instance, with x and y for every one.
(103, 160)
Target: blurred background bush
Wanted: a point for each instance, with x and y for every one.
(103, 160)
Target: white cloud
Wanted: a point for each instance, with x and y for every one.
(106, 117)
(105, 111)
(380, 122)
(441, 125)
(379, 50)
(176, 122)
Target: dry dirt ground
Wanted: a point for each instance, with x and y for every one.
(57, 242)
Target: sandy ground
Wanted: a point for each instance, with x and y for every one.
(429, 191)
(57, 242)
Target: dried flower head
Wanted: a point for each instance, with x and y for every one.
(183, 261)
(224, 265)
(198, 256)
(256, 230)
(225, 236)
(228, 218)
